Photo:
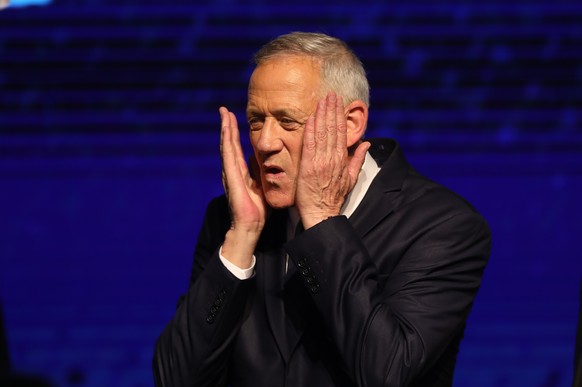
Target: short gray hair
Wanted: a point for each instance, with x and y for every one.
(341, 70)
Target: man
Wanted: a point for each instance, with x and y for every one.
(377, 288)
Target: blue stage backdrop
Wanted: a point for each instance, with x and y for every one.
(109, 155)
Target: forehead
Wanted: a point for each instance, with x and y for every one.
(292, 65)
(285, 79)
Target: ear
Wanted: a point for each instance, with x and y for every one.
(356, 120)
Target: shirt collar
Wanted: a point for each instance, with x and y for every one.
(368, 172)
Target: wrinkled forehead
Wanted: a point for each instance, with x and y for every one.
(285, 83)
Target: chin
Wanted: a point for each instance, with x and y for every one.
(278, 200)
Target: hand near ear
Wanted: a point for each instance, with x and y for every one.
(326, 172)
(246, 201)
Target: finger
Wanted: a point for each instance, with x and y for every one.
(308, 139)
(224, 145)
(235, 135)
(231, 177)
(341, 127)
(356, 162)
(224, 132)
(222, 111)
(226, 138)
(320, 129)
(331, 122)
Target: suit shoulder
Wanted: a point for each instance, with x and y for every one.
(433, 198)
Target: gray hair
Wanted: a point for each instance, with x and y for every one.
(341, 70)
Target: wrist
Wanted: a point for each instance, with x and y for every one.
(310, 220)
(239, 246)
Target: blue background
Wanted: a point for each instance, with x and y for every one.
(109, 155)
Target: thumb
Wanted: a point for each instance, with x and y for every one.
(357, 161)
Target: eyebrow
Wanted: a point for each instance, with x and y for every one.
(277, 113)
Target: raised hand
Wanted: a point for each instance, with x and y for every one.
(326, 172)
(245, 197)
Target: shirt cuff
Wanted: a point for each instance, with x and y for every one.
(239, 273)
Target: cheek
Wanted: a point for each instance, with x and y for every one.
(295, 147)
(253, 139)
(296, 161)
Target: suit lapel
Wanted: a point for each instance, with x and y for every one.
(380, 199)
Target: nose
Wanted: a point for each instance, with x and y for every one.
(269, 137)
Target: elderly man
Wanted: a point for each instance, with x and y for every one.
(329, 261)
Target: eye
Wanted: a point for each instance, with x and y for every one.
(255, 123)
(288, 123)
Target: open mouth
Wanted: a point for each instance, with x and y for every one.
(272, 171)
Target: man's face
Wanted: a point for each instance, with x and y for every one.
(283, 93)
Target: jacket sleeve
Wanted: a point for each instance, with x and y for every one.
(194, 348)
(390, 326)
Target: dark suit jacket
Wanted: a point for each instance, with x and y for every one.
(380, 299)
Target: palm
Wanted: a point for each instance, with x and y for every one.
(326, 173)
(245, 196)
